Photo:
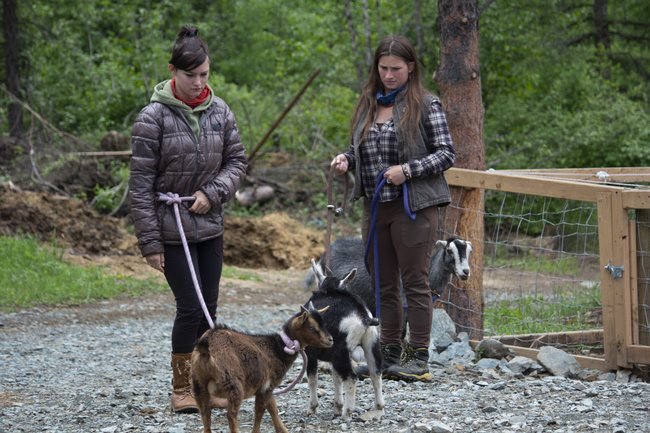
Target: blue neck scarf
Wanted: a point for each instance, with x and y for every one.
(388, 99)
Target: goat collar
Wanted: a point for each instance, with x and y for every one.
(290, 346)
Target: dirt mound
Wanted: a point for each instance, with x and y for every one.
(274, 241)
(69, 222)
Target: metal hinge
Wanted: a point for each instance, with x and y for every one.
(615, 272)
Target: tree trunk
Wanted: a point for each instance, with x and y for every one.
(12, 56)
(419, 32)
(347, 8)
(458, 78)
(601, 23)
(602, 38)
(367, 33)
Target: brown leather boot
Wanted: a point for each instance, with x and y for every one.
(182, 399)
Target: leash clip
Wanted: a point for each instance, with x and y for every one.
(338, 211)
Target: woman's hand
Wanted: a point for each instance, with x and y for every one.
(156, 261)
(201, 203)
(395, 175)
(339, 164)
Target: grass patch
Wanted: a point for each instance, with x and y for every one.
(35, 275)
(542, 264)
(238, 274)
(561, 312)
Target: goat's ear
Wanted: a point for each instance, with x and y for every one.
(349, 277)
(305, 313)
(316, 268)
(324, 309)
(441, 243)
(308, 309)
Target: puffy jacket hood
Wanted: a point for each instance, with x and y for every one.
(163, 93)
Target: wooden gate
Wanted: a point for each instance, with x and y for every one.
(622, 199)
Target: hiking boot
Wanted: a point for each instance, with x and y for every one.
(182, 399)
(391, 353)
(413, 365)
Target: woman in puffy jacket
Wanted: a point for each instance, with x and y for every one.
(186, 142)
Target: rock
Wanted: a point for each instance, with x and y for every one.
(558, 362)
(443, 330)
(623, 376)
(459, 352)
(432, 426)
(490, 348)
(522, 364)
(371, 415)
(487, 363)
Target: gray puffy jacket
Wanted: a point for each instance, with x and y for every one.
(167, 157)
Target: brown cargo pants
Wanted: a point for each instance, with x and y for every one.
(405, 249)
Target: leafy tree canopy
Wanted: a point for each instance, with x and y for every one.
(552, 97)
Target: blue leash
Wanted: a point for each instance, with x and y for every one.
(380, 181)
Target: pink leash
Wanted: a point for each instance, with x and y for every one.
(174, 199)
(290, 346)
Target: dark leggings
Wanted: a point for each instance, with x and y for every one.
(190, 322)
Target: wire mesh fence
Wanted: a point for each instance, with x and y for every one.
(564, 261)
(643, 275)
(541, 269)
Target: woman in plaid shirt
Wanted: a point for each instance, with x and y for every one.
(399, 129)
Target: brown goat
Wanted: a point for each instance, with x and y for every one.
(235, 365)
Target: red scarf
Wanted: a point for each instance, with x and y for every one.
(203, 96)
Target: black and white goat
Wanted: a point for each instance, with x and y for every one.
(449, 257)
(351, 325)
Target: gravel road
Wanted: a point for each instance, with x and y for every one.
(105, 368)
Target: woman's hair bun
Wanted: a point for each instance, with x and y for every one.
(188, 32)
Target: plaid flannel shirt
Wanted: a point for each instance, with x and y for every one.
(378, 151)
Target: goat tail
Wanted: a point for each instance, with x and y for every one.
(203, 347)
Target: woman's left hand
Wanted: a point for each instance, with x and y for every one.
(395, 175)
(201, 204)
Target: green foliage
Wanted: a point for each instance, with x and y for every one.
(108, 199)
(549, 102)
(40, 276)
(552, 99)
(566, 310)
